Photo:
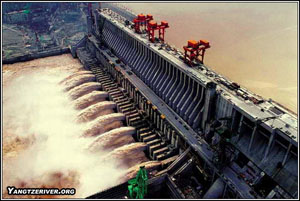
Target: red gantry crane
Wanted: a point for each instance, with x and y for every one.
(152, 26)
(193, 50)
(141, 22)
(163, 25)
(148, 19)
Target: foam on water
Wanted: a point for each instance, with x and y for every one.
(82, 72)
(129, 155)
(149, 166)
(95, 110)
(90, 99)
(41, 142)
(103, 124)
(78, 80)
(113, 139)
(84, 89)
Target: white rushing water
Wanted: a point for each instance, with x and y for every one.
(43, 143)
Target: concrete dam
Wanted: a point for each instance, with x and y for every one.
(198, 134)
(242, 145)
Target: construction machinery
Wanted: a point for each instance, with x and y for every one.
(137, 187)
(141, 22)
(193, 50)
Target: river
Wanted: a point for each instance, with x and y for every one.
(254, 44)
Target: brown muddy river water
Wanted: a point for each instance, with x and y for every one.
(254, 44)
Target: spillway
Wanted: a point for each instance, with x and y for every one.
(130, 155)
(95, 110)
(50, 131)
(138, 102)
(90, 99)
(79, 73)
(75, 81)
(83, 89)
(103, 124)
(113, 139)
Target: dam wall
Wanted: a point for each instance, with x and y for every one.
(200, 106)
